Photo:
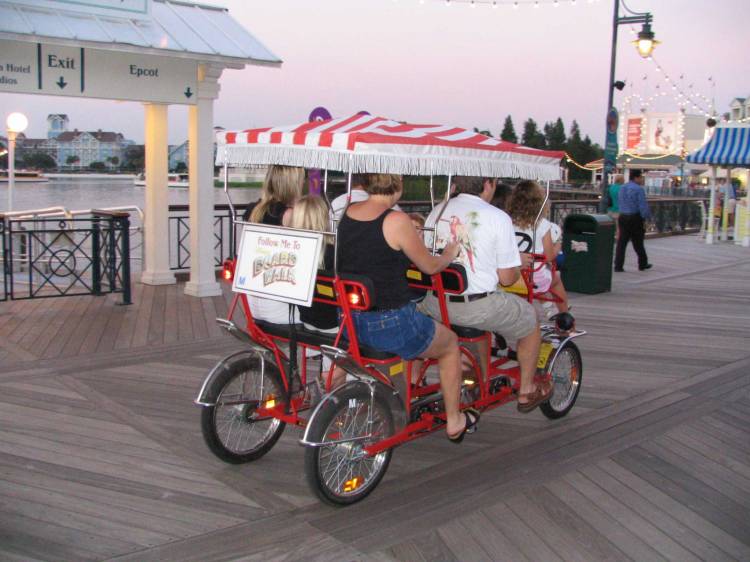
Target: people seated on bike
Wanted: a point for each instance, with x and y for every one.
(490, 256)
(381, 243)
(311, 213)
(281, 189)
(524, 207)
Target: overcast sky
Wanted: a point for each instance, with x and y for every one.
(433, 63)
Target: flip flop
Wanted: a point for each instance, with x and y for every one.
(533, 399)
(472, 419)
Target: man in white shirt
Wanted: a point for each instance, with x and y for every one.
(358, 194)
(490, 255)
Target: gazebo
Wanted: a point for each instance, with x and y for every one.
(158, 52)
(729, 147)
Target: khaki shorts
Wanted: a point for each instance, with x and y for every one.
(501, 312)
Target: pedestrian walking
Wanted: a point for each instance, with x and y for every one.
(634, 212)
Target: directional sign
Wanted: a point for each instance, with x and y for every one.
(129, 76)
(37, 68)
(61, 69)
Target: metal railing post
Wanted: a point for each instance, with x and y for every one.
(96, 259)
(125, 257)
(4, 253)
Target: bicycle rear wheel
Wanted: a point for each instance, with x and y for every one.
(232, 428)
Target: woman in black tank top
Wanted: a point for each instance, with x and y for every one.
(381, 243)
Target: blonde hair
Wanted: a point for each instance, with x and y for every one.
(311, 213)
(525, 203)
(417, 218)
(283, 184)
(383, 184)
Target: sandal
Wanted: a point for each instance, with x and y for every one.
(533, 399)
(472, 419)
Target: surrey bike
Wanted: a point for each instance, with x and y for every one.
(350, 431)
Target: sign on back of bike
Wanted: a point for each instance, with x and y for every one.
(277, 263)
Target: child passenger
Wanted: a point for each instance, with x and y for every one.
(524, 206)
(311, 213)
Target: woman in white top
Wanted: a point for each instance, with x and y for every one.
(281, 189)
(524, 206)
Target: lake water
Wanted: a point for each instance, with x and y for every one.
(87, 193)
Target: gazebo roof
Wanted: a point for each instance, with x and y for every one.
(729, 146)
(175, 28)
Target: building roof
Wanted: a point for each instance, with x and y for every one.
(174, 28)
(101, 136)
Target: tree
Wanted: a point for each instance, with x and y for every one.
(180, 167)
(72, 159)
(486, 133)
(39, 161)
(554, 135)
(135, 158)
(509, 131)
(532, 137)
(99, 166)
(582, 150)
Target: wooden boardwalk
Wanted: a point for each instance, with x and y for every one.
(101, 456)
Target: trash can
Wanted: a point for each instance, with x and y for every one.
(588, 243)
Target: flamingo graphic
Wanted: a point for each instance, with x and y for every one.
(460, 235)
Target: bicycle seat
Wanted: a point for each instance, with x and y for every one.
(466, 332)
(316, 339)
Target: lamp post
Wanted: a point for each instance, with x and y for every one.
(16, 123)
(644, 44)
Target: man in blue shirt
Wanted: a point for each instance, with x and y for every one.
(633, 212)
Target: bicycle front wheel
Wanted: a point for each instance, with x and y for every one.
(340, 472)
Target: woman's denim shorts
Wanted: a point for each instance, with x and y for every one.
(402, 331)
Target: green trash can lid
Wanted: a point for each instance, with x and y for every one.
(587, 222)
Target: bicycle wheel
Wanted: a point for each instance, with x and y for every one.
(567, 374)
(232, 428)
(342, 473)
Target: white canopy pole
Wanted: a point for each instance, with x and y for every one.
(711, 208)
(725, 209)
(746, 237)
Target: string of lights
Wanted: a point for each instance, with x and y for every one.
(683, 97)
(571, 160)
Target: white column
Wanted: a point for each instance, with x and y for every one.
(711, 208)
(201, 192)
(156, 213)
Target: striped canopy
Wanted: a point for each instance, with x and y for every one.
(729, 146)
(363, 143)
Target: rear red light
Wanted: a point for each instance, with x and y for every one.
(227, 272)
(356, 297)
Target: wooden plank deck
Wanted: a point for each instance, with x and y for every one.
(101, 456)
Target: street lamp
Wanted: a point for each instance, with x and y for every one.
(645, 44)
(16, 123)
